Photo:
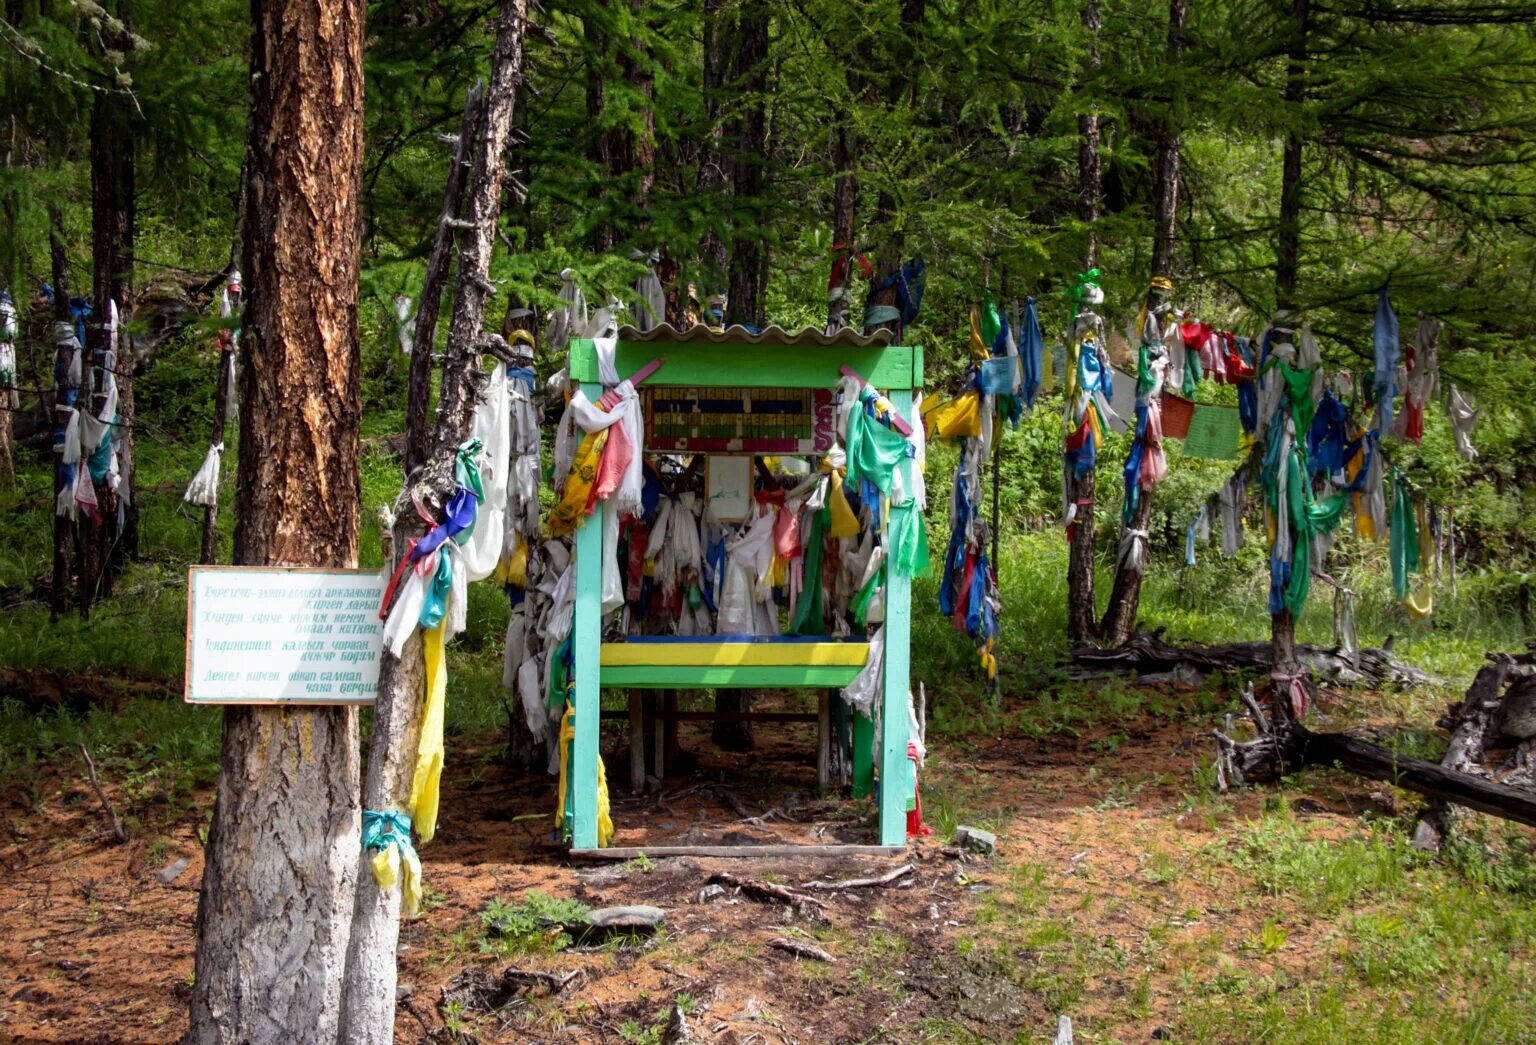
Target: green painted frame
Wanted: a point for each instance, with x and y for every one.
(897, 370)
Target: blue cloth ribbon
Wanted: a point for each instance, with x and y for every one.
(381, 830)
(1031, 351)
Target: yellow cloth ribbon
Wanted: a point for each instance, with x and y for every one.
(958, 418)
(513, 567)
(567, 515)
(388, 871)
(1422, 603)
(429, 753)
(979, 348)
(604, 819)
(844, 522)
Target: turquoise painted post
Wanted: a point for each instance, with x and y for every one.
(587, 635)
(896, 780)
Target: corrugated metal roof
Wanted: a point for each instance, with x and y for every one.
(740, 335)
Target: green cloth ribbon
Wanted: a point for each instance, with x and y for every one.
(466, 467)
(860, 605)
(435, 606)
(991, 322)
(1143, 372)
(1308, 519)
(1404, 545)
(381, 830)
(1081, 282)
(909, 542)
(873, 449)
(810, 612)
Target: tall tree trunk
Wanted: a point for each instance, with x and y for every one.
(113, 222)
(1282, 628)
(369, 998)
(1125, 595)
(418, 439)
(1165, 173)
(1082, 620)
(65, 389)
(712, 176)
(902, 88)
(746, 138)
(744, 143)
(604, 143)
(845, 200)
(275, 911)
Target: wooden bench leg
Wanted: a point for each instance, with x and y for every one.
(823, 739)
(636, 744)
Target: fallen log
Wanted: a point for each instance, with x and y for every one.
(1469, 723)
(1147, 653)
(1415, 774)
(1285, 745)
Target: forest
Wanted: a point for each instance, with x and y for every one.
(1119, 419)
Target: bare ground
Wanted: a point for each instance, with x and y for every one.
(1100, 852)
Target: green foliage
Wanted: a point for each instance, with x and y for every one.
(535, 926)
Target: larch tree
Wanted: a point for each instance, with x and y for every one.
(368, 1012)
(275, 910)
(1125, 595)
(1082, 620)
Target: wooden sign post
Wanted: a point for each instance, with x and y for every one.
(273, 635)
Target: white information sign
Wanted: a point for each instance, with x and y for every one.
(260, 635)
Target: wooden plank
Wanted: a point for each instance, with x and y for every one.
(897, 783)
(733, 654)
(636, 744)
(721, 716)
(587, 636)
(658, 738)
(775, 366)
(651, 676)
(823, 739)
(735, 851)
(669, 748)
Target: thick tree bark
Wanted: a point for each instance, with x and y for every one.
(275, 911)
(419, 383)
(1125, 595)
(368, 1010)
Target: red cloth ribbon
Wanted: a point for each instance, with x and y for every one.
(915, 826)
(841, 252)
